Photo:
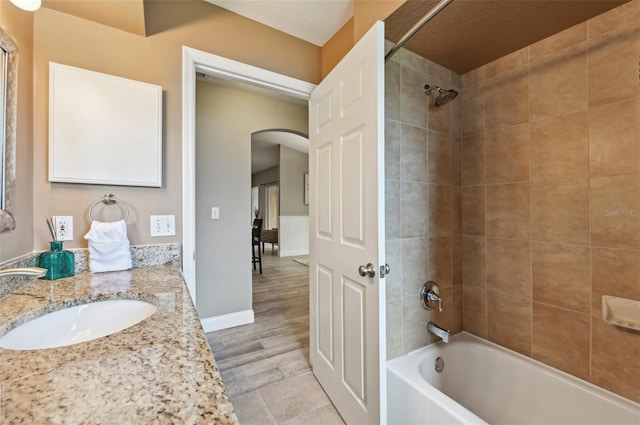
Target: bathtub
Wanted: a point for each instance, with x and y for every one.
(482, 383)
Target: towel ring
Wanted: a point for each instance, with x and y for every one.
(110, 199)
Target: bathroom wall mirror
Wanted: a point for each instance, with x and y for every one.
(8, 110)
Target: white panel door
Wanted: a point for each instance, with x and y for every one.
(346, 156)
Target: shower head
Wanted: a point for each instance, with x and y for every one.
(444, 96)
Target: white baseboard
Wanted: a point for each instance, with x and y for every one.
(294, 253)
(226, 321)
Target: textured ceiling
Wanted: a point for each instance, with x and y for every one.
(471, 33)
(315, 21)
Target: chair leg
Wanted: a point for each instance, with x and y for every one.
(260, 259)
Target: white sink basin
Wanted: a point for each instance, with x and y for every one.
(76, 324)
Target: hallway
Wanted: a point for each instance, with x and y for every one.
(265, 365)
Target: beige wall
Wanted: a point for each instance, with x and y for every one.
(365, 14)
(551, 195)
(293, 166)
(155, 59)
(20, 241)
(225, 120)
(422, 185)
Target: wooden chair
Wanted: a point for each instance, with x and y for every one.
(256, 239)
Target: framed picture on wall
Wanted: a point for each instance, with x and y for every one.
(306, 188)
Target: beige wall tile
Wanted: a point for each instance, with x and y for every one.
(474, 313)
(457, 325)
(561, 275)
(415, 253)
(456, 160)
(560, 147)
(456, 260)
(559, 83)
(393, 257)
(472, 209)
(614, 138)
(394, 327)
(509, 267)
(472, 161)
(439, 212)
(413, 153)
(456, 210)
(414, 106)
(507, 155)
(507, 210)
(550, 45)
(392, 149)
(507, 63)
(456, 116)
(439, 158)
(414, 210)
(614, 363)
(440, 73)
(614, 272)
(439, 116)
(509, 322)
(561, 338)
(414, 61)
(472, 77)
(472, 102)
(440, 261)
(392, 90)
(507, 101)
(392, 208)
(474, 271)
(613, 67)
(560, 211)
(615, 211)
(621, 18)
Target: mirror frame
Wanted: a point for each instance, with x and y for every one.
(9, 110)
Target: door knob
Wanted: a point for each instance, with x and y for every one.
(368, 270)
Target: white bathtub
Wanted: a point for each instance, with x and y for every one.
(484, 383)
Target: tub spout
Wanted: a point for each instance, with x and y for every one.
(439, 332)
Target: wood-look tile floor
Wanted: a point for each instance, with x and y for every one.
(265, 365)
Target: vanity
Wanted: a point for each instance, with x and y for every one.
(160, 370)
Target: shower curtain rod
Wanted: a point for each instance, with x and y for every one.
(414, 29)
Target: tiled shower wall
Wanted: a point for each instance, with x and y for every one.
(423, 219)
(551, 198)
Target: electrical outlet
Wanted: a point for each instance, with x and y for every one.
(63, 225)
(163, 225)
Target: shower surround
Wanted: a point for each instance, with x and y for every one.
(551, 198)
(534, 214)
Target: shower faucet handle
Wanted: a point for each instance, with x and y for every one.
(430, 294)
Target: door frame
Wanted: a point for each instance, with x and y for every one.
(193, 61)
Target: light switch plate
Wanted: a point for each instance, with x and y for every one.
(163, 225)
(215, 213)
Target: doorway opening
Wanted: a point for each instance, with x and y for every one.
(219, 304)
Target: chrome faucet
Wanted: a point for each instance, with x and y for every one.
(439, 332)
(33, 272)
(429, 294)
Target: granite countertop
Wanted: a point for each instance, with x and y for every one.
(158, 371)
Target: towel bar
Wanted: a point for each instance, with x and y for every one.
(110, 199)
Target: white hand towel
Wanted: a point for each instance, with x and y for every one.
(109, 248)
